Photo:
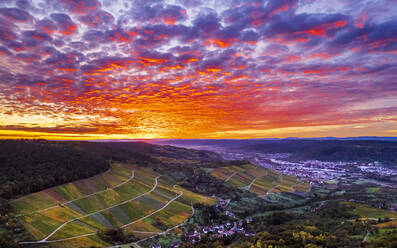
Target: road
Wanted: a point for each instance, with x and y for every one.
(136, 243)
(227, 179)
(85, 196)
(366, 236)
(158, 210)
(249, 185)
(45, 240)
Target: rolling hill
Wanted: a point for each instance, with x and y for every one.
(259, 180)
(137, 199)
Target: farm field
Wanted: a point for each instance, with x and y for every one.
(367, 212)
(134, 198)
(259, 180)
(389, 224)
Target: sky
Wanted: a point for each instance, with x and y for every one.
(120, 69)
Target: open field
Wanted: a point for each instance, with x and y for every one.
(389, 224)
(259, 180)
(367, 212)
(373, 190)
(134, 198)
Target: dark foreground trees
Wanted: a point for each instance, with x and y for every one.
(116, 236)
(28, 166)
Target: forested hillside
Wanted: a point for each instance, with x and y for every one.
(30, 166)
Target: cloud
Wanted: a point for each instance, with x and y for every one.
(207, 23)
(190, 3)
(65, 24)
(57, 129)
(15, 14)
(179, 68)
(372, 37)
(97, 18)
(81, 6)
(158, 14)
(305, 27)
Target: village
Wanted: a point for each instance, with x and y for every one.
(232, 226)
(225, 229)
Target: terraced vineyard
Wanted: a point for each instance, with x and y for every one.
(134, 198)
(259, 180)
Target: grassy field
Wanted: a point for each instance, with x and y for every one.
(389, 224)
(373, 189)
(90, 241)
(365, 211)
(259, 180)
(125, 196)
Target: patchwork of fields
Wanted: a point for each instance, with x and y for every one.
(134, 198)
(259, 180)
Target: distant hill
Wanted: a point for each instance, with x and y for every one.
(360, 149)
(126, 150)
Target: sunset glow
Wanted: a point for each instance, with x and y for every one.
(97, 69)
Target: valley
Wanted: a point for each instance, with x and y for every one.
(164, 196)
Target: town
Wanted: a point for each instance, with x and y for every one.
(313, 171)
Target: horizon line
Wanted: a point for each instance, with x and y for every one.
(231, 139)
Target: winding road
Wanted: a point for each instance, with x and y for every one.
(45, 240)
(136, 243)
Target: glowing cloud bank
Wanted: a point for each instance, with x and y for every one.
(91, 69)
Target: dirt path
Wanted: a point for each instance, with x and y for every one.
(227, 179)
(90, 234)
(85, 196)
(249, 185)
(366, 236)
(156, 234)
(45, 240)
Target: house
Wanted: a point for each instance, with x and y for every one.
(393, 207)
(174, 245)
(230, 214)
(221, 229)
(223, 203)
(249, 233)
(238, 229)
(207, 229)
(191, 234)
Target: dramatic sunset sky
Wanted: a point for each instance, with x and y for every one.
(92, 69)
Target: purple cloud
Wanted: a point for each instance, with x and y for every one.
(242, 62)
